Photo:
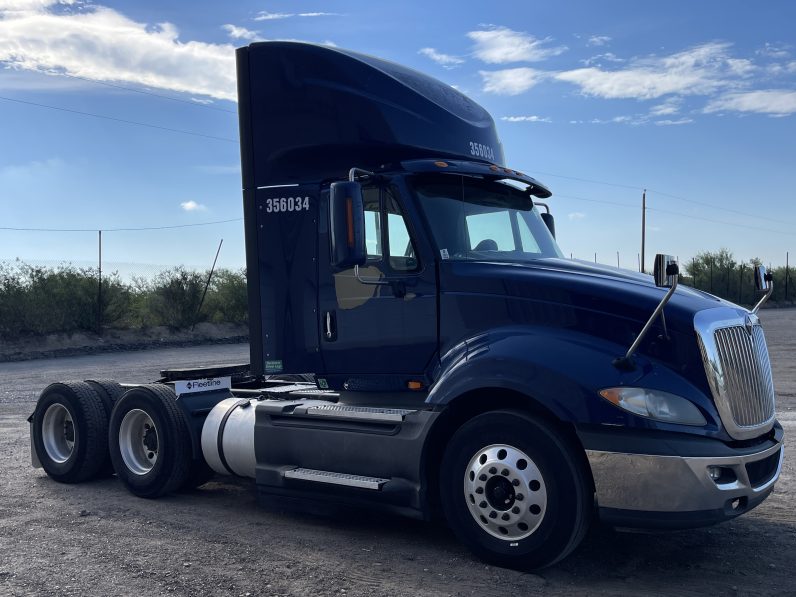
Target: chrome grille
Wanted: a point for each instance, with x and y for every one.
(747, 374)
(736, 361)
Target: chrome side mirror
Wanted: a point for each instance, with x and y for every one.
(764, 282)
(666, 271)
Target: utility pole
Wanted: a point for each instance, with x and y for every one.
(617, 260)
(787, 253)
(643, 226)
(99, 285)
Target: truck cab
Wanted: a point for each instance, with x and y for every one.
(420, 344)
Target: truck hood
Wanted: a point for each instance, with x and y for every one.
(601, 301)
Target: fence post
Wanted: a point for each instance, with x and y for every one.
(99, 284)
(740, 284)
(711, 276)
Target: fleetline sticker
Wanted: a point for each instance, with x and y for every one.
(209, 384)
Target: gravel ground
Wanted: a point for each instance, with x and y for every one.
(97, 539)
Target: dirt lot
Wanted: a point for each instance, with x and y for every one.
(96, 539)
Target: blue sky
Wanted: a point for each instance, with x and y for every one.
(695, 101)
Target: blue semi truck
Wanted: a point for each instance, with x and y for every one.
(420, 345)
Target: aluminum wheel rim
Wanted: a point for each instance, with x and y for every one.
(505, 492)
(58, 433)
(138, 442)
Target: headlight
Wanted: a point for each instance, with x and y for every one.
(655, 404)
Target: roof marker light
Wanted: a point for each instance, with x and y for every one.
(441, 164)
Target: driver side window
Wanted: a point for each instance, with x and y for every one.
(386, 230)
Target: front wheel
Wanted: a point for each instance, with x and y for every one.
(515, 491)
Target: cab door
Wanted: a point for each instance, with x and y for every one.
(382, 317)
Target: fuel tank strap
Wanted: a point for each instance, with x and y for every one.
(220, 442)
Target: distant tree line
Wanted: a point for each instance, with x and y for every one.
(720, 274)
(64, 299)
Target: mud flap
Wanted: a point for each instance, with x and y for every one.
(34, 457)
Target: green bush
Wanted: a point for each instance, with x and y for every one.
(175, 296)
(227, 298)
(41, 300)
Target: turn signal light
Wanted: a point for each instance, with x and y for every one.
(414, 385)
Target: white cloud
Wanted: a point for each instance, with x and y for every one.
(192, 206)
(741, 66)
(499, 45)
(776, 102)
(525, 119)
(774, 50)
(103, 44)
(576, 215)
(700, 70)
(275, 16)
(511, 81)
(669, 106)
(598, 40)
(34, 170)
(236, 32)
(677, 122)
(606, 57)
(446, 60)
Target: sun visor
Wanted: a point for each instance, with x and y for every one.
(316, 111)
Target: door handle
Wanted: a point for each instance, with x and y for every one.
(330, 326)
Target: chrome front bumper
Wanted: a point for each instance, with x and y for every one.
(635, 487)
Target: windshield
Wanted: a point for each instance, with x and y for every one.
(473, 219)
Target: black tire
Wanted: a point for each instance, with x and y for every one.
(72, 440)
(560, 485)
(109, 391)
(170, 465)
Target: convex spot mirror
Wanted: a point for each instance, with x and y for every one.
(347, 224)
(763, 279)
(666, 271)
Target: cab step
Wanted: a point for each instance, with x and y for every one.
(365, 413)
(332, 478)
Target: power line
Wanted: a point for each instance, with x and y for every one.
(609, 184)
(661, 193)
(759, 228)
(722, 208)
(120, 229)
(144, 124)
(679, 214)
(597, 201)
(152, 93)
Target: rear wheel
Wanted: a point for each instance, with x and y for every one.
(149, 441)
(108, 391)
(514, 490)
(70, 432)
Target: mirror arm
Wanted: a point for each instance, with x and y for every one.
(373, 281)
(764, 298)
(547, 207)
(625, 362)
(354, 172)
